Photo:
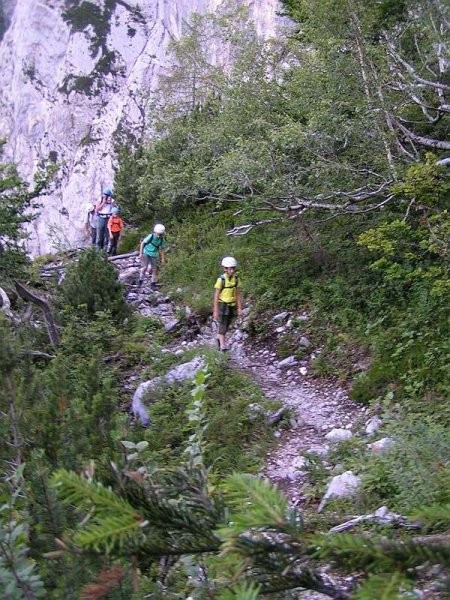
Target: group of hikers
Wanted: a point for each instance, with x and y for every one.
(105, 227)
(103, 223)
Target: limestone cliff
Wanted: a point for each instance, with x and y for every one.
(73, 75)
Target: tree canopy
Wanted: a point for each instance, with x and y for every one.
(326, 118)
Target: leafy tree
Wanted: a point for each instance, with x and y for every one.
(14, 203)
(18, 206)
(126, 184)
(324, 121)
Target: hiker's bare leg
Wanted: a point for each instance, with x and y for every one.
(154, 273)
(221, 338)
(143, 270)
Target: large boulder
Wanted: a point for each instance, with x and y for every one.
(178, 374)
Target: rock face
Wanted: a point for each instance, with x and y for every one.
(73, 77)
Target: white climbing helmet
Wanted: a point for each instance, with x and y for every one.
(229, 261)
(159, 229)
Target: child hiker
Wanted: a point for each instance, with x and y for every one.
(151, 252)
(115, 227)
(90, 225)
(227, 299)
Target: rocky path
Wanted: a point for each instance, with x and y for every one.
(314, 408)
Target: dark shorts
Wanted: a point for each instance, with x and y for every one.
(146, 260)
(227, 313)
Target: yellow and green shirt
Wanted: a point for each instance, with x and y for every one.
(228, 286)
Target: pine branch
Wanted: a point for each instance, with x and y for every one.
(438, 514)
(242, 591)
(112, 522)
(380, 553)
(109, 534)
(255, 503)
(383, 587)
(73, 489)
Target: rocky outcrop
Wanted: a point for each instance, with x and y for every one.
(75, 76)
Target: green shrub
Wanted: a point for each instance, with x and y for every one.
(91, 287)
(235, 439)
(414, 472)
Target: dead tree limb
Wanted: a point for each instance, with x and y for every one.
(49, 320)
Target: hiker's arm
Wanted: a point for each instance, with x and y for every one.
(141, 248)
(216, 304)
(239, 301)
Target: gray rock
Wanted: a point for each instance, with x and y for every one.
(280, 316)
(381, 446)
(287, 362)
(130, 275)
(338, 435)
(341, 486)
(178, 374)
(373, 424)
(171, 325)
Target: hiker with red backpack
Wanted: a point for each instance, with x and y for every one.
(152, 253)
(227, 299)
(115, 227)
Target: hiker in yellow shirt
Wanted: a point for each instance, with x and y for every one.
(227, 299)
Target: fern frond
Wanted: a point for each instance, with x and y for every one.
(383, 587)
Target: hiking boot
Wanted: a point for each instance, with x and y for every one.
(140, 282)
(153, 286)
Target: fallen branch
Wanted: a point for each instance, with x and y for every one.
(121, 256)
(37, 354)
(244, 229)
(381, 516)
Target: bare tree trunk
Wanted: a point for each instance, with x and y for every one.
(364, 65)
